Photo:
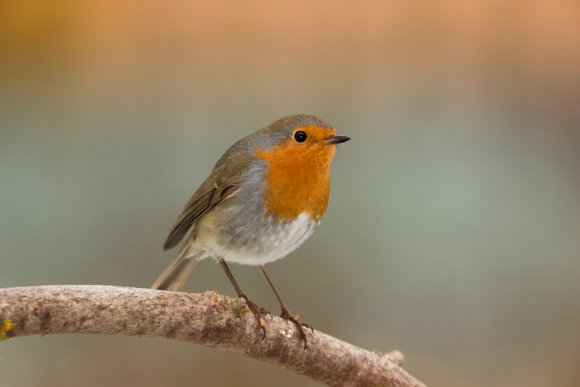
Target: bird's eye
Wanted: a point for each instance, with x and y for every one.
(300, 136)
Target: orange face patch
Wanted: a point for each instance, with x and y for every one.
(298, 176)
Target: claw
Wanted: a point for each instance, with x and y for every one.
(299, 325)
(259, 314)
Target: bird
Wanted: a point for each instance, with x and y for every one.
(263, 199)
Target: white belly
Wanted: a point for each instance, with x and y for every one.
(272, 244)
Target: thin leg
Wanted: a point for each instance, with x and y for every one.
(259, 313)
(232, 279)
(285, 313)
(282, 305)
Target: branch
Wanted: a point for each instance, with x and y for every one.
(209, 318)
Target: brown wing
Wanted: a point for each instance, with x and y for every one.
(207, 196)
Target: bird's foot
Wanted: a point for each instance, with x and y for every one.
(299, 325)
(259, 313)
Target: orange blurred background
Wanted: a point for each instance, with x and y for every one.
(453, 228)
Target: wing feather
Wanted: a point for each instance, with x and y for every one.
(204, 199)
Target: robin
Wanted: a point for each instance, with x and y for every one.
(265, 196)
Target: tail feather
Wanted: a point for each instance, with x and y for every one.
(179, 268)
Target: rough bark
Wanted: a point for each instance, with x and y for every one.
(208, 318)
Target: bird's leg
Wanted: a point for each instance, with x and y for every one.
(285, 313)
(258, 312)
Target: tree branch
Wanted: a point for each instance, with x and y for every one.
(209, 318)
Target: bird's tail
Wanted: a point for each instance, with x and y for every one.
(179, 268)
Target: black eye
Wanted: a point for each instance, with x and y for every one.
(300, 136)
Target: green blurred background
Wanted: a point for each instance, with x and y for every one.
(453, 231)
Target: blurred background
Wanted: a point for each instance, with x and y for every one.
(453, 231)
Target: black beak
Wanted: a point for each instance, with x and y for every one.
(336, 139)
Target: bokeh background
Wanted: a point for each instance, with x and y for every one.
(453, 231)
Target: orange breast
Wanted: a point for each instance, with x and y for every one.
(297, 179)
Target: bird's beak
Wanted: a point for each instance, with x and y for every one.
(336, 140)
